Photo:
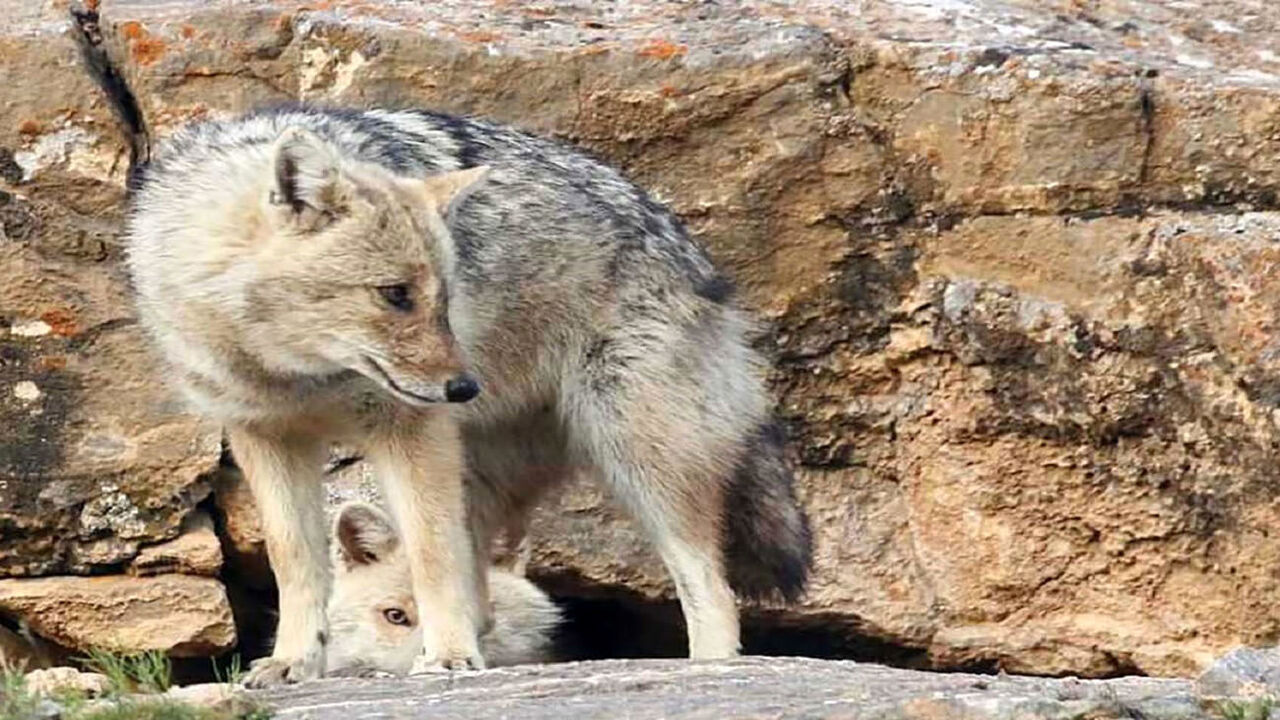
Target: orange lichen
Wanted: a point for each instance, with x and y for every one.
(29, 127)
(148, 50)
(144, 48)
(479, 36)
(187, 32)
(662, 49)
(52, 362)
(61, 322)
(132, 30)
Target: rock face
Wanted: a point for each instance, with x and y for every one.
(196, 551)
(183, 615)
(774, 688)
(1016, 257)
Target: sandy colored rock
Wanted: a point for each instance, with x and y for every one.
(50, 680)
(196, 551)
(240, 529)
(95, 457)
(1016, 259)
(183, 615)
(207, 695)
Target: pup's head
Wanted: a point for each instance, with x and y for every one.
(373, 620)
(354, 271)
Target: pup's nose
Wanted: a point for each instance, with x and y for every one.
(461, 388)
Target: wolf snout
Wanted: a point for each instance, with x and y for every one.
(461, 388)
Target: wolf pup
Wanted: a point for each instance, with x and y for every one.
(316, 275)
(374, 624)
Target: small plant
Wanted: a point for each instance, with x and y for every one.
(135, 686)
(144, 672)
(1258, 708)
(16, 701)
(234, 672)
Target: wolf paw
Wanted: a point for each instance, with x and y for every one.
(426, 664)
(271, 671)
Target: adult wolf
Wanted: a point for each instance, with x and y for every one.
(325, 274)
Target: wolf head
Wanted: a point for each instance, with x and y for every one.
(373, 620)
(354, 271)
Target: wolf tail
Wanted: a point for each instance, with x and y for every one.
(88, 35)
(769, 547)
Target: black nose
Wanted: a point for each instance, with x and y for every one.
(461, 388)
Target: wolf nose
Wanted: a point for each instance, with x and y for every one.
(461, 388)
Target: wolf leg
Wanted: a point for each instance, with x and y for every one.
(419, 463)
(668, 475)
(283, 470)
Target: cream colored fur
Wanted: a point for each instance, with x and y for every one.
(271, 314)
(374, 623)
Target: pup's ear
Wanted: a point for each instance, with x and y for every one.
(306, 173)
(446, 191)
(364, 534)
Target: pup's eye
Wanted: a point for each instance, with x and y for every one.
(397, 296)
(396, 616)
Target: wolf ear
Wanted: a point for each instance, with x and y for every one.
(446, 191)
(306, 172)
(364, 533)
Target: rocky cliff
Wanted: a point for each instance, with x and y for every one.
(1016, 259)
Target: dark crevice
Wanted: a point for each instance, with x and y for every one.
(1147, 109)
(617, 622)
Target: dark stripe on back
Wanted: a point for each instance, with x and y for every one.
(460, 131)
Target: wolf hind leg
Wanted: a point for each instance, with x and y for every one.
(664, 467)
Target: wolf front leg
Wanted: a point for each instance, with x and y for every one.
(284, 472)
(418, 458)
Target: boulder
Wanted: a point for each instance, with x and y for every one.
(183, 615)
(49, 681)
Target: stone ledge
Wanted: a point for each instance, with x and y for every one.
(775, 688)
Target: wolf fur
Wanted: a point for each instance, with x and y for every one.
(373, 621)
(324, 274)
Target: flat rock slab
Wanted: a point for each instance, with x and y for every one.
(183, 615)
(742, 688)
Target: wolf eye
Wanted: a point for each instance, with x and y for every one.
(397, 296)
(396, 616)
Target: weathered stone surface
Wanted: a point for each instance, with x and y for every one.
(1242, 672)
(183, 615)
(47, 681)
(196, 551)
(773, 688)
(240, 528)
(1016, 255)
(94, 457)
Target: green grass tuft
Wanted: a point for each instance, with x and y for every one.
(1258, 708)
(135, 681)
(128, 673)
(16, 701)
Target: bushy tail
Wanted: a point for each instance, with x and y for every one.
(769, 547)
(88, 35)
